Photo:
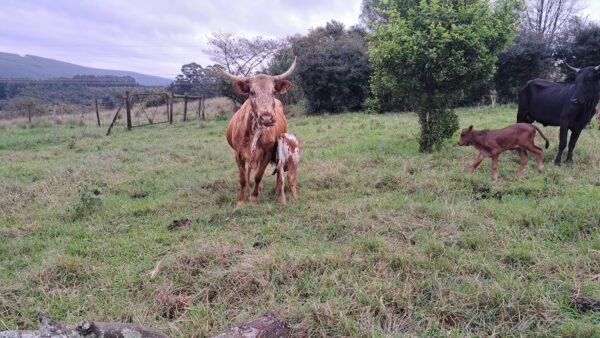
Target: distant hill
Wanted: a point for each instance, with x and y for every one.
(35, 67)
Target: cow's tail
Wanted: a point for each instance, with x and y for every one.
(542, 135)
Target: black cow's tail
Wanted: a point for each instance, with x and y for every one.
(542, 135)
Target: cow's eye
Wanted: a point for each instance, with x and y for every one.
(253, 93)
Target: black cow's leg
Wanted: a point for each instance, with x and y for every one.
(562, 144)
(572, 142)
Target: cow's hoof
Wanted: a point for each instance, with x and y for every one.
(557, 164)
(253, 199)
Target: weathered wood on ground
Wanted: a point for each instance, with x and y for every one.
(269, 325)
(86, 329)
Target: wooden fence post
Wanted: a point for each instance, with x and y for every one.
(185, 100)
(97, 112)
(202, 107)
(171, 105)
(128, 108)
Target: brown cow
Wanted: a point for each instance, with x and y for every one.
(492, 142)
(288, 157)
(252, 131)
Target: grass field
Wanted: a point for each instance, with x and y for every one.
(384, 241)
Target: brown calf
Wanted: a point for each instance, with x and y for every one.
(288, 157)
(492, 142)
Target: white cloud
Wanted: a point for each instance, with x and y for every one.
(153, 37)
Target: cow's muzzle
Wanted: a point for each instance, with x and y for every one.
(267, 120)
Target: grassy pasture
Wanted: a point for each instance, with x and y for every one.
(384, 241)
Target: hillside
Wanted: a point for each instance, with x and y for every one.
(35, 67)
(383, 242)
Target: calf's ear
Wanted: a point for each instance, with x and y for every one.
(241, 87)
(282, 86)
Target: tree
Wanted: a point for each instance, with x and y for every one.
(333, 67)
(197, 79)
(431, 53)
(580, 45)
(525, 59)
(547, 18)
(28, 106)
(240, 56)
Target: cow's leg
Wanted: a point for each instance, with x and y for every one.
(574, 137)
(495, 168)
(292, 180)
(562, 144)
(477, 162)
(522, 162)
(243, 180)
(248, 175)
(262, 165)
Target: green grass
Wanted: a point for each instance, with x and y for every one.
(384, 240)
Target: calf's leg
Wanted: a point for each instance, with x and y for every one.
(522, 162)
(539, 154)
(281, 184)
(495, 168)
(292, 180)
(477, 162)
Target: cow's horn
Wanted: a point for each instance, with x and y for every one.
(576, 70)
(234, 77)
(287, 72)
(597, 68)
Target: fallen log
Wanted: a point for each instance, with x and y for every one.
(269, 325)
(86, 329)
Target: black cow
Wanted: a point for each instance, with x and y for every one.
(570, 106)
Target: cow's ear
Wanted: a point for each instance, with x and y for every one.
(470, 127)
(241, 87)
(282, 86)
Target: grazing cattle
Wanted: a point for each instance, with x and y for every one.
(492, 142)
(569, 106)
(288, 159)
(253, 130)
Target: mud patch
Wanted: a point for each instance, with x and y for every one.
(177, 224)
(260, 245)
(483, 193)
(139, 195)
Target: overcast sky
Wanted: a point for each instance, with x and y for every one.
(157, 37)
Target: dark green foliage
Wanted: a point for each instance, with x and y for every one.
(65, 93)
(580, 45)
(333, 68)
(527, 58)
(197, 80)
(426, 56)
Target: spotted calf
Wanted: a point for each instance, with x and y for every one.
(288, 158)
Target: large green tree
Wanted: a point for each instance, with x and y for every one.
(333, 67)
(428, 54)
